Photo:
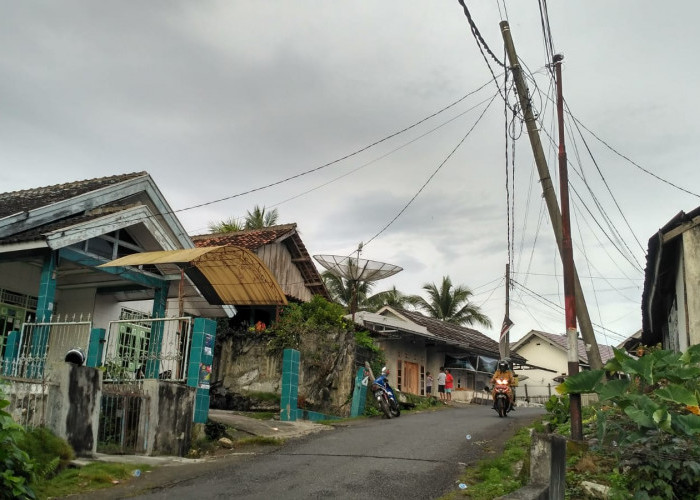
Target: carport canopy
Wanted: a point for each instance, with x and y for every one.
(225, 275)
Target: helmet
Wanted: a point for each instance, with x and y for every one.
(385, 371)
(503, 365)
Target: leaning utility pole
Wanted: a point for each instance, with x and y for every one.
(549, 195)
(567, 258)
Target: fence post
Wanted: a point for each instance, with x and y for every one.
(97, 342)
(290, 385)
(11, 353)
(359, 395)
(199, 370)
(155, 344)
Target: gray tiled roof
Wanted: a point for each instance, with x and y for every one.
(465, 337)
(30, 199)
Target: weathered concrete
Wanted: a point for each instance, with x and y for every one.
(547, 469)
(72, 405)
(243, 366)
(169, 411)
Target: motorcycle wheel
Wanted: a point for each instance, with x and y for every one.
(385, 407)
(501, 407)
(395, 410)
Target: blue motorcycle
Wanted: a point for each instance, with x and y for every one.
(384, 395)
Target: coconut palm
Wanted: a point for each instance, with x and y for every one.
(226, 226)
(392, 297)
(450, 304)
(350, 293)
(257, 219)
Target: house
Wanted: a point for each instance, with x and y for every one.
(671, 296)
(547, 359)
(57, 298)
(415, 344)
(284, 253)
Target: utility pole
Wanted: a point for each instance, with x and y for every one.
(504, 343)
(549, 195)
(568, 259)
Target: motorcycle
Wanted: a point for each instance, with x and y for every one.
(384, 395)
(502, 403)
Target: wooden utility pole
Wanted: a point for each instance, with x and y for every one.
(567, 257)
(549, 195)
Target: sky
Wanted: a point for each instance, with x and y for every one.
(217, 100)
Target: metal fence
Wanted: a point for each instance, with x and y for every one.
(124, 417)
(25, 365)
(143, 348)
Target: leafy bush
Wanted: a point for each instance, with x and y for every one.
(50, 453)
(17, 468)
(649, 419)
(558, 409)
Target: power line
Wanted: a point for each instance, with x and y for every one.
(433, 174)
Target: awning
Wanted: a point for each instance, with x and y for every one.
(225, 275)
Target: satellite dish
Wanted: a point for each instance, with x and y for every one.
(355, 269)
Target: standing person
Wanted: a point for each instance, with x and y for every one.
(428, 385)
(449, 385)
(441, 384)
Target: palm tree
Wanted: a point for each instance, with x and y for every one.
(450, 304)
(349, 293)
(258, 218)
(230, 225)
(392, 297)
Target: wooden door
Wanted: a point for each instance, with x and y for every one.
(411, 378)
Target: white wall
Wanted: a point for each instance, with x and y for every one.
(691, 254)
(20, 277)
(542, 353)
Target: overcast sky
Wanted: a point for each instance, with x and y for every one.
(217, 98)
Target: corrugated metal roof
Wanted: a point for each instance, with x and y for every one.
(225, 274)
(254, 239)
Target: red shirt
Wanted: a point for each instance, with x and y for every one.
(449, 381)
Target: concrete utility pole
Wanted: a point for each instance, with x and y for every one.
(567, 258)
(549, 195)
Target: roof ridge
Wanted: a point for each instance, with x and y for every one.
(66, 185)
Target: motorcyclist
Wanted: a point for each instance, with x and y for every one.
(502, 372)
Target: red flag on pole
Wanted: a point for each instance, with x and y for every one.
(507, 325)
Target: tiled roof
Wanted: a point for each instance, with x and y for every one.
(606, 351)
(467, 338)
(30, 199)
(254, 239)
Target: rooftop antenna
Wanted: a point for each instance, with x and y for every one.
(356, 270)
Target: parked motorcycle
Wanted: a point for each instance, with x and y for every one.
(384, 395)
(502, 403)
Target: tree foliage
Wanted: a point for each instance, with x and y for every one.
(258, 218)
(451, 304)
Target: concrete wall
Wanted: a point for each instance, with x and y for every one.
(169, 416)
(539, 352)
(20, 277)
(73, 405)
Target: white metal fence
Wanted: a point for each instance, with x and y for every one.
(147, 348)
(40, 345)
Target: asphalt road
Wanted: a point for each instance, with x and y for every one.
(417, 456)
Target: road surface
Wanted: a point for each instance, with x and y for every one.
(417, 456)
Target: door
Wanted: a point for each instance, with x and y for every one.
(411, 378)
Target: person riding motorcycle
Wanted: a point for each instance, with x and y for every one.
(502, 372)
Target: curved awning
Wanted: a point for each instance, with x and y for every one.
(225, 275)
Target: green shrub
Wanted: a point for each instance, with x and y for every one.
(50, 453)
(649, 420)
(17, 468)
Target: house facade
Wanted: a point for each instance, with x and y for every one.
(547, 360)
(415, 344)
(671, 296)
(138, 324)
